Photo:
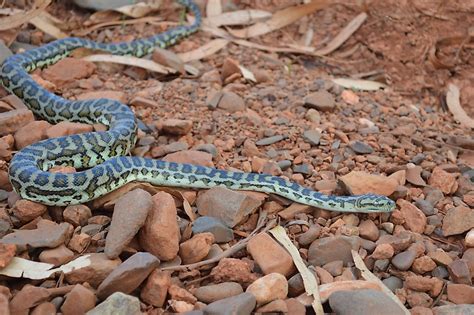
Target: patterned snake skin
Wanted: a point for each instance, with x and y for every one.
(100, 156)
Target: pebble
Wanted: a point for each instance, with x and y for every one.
(234, 270)
(368, 230)
(363, 302)
(128, 275)
(56, 256)
(178, 293)
(156, 288)
(99, 268)
(78, 301)
(26, 210)
(423, 265)
(415, 219)
(335, 268)
(190, 157)
(358, 182)
(413, 174)
(360, 147)
(269, 288)
(160, 235)
(31, 133)
(77, 215)
(79, 242)
(469, 239)
(117, 303)
(274, 307)
(240, 304)
(269, 140)
(270, 256)
(459, 272)
(458, 220)
(444, 181)
(310, 235)
(196, 248)
(230, 206)
(221, 232)
(313, 116)
(383, 251)
(230, 102)
(462, 309)
(321, 100)
(178, 127)
(304, 168)
(130, 212)
(312, 136)
(45, 308)
(209, 148)
(460, 293)
(403, 261)
(7, 252)
(216, 292)
(28, 297)
(393, 283)
(426, 207)
(333, 248)
(13, 120)
(440, 257)
(48, 234)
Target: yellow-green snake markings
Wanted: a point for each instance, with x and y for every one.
(101, 155)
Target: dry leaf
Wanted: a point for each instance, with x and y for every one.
(240, 17)
(310, 284)
(139, 9)
(343, 35)
(454, 105)
(213, 7)
(45, 23)
(23, 17)
(111, 22)
(247, 74)
(280, 19)
(364, 85)
(204, 51)
(131, 61)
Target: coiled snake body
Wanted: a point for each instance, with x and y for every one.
(101, 155)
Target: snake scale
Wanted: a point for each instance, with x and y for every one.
(101, 157)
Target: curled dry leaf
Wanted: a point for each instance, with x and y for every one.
(364, 85)
(280, 19)
(112, 21)
(454, 105)
(131, 61)
(240, 17)
(204, 51)
(20, 18)
(47, 23)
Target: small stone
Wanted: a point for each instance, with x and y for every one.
(130, 212)
(160, 234)
(26, 210)
(434, 195)
(31, 133)
(312, 136)
(324, 276)
(156, 288)
(77, 215)
(79, 242)
(209, 148)
(274, 307)
(419, 299)
(399, 242)
(321, 100)
(190, 157)
(383, 251)
(415, 220)
(45, 308)
(358, 182)
(235, 270)
(168, 58)
(110, 94)
(67, 128)
(459, 272)
(310, 235)
(229, 68)
(240, 304)
(268, 288)
(269, 140)
(269, 255)
(46, 235)
(231, 102)
(363, 302)
(440, 272)
(469, 239)
(216, 292)
(177, 127)
(196, 248)
(444, 181)
(458, 220)
(13, 120)
(419, 283)
(403, 261)
(460, 293)
(334, 267)
(180, 294)
(413, 175)
(94, 273)
(78, 301)
(461, 309)
(230, 206)
(423, 265)
(393, 283)
(7, 252)
(329, 249)
(28, 297)
(313, 115)
(440, 257)
(117, 304)
(368, 230)
(360, 147)
(56, 256)
(128, 275)
(215, 226)
(426, 207)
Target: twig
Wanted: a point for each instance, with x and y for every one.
(229, 252)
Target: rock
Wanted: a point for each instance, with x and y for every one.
(274, 307)
(459, 272)
(423, 264)
(229, 68)
(46, 235)
(13, 120)
(368, 230)
(415, 219)
(168, 58)
(413, 175)
(130, 213)
(7, 252)
(460, 293)
(434, 195)
(440, 257)
(268, 288)
(461, 309)
(469, 239)
(324, 276)
(229, 206)
(56, 256)
(468, 256)
(312, 136)
(313, 115)
(196, 248)
(269, 255)
(357, 182)
(67, 128)
(117, 304)
(419, 299)
(28, 297)
(68, 70)
(77, 215)
(160, 235)
(399, 242)
(240, 304)
(110, 94)
(393, 283)
(403, 261)
(269, 140)
(216, 292)
(26, 210)
(79, 242)
(180, 294)
(94, 273)
(426, 207)
(231, 102)
(177, 127)
(444, 181)
(156, 288)
(335, 268)
(310, 235)
(190, 157)
(215, 226)
(31, 133)
(458, 220)
(419, 283)
(295, 307)
(321, 100)
(383, 251)
(363, 302)
(235, 270)
(329, 249)
(360, 147)
(78, 301)
(45, 308)
(128, 275)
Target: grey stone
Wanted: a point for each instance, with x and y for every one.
(440, 272)
(433, 196)
(393, 283)
(321, 100)
(425, 206)
(117, 304)
(360, 147)
(460, 309)
(403, 261)
(217, 227)
(209, 148)
(284, 164)
(270, 140)
(381, 264)
(329, 249)
(241, 304)
(302, 168)
(312, 136)
(363, 302)
(216, 292)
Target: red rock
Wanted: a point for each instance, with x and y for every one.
(178, 127)
(77, 215)
(28, 297)
(269, 288)
(156, 288)
(459, 272)
(444, 181)
(68, 70)
(277, 306)
(196, 248)
(46, 235)
(216, 292)
(190, 157)
(413, 173)
(323, 275)
(31, 133)
(383, 251)
(368, 230)
(45, 308)
(229, 67)
(231, 102)
(160, 234)
(415, 219)
(440, 257)
(13, 120)
(419, 299)
(469, 239)
(94, 273)
(78, 301)
(79, 242)
(7, 252)
(113, 95)
(357, 182)
(26, 210)
(232, 269)
(423, 264)
(295, 307)
(67, 128)
(56, 256)
(350, 97)
(180, 294)
(460, 293)
(458, 220)
(4, 181)
(321, 100)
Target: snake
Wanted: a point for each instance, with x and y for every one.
(102, 159)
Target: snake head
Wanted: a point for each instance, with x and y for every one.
(374, 203)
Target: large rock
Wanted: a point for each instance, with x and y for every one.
(458, 220)
(358, 182)
(328, 249)
(48, 234)
(268, 288)
(94, 273)
(242, 304)
(363, 302)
